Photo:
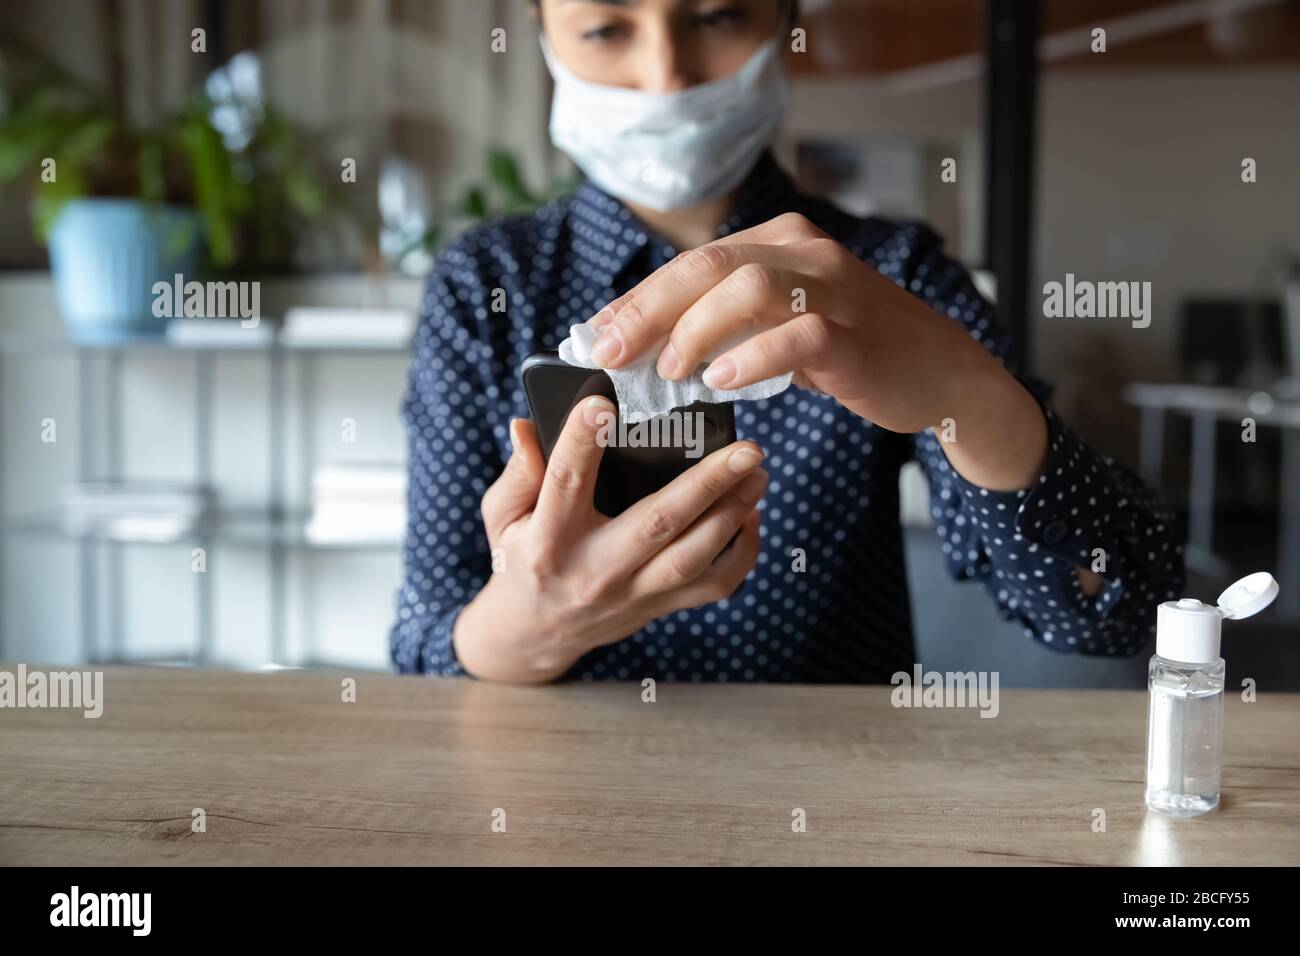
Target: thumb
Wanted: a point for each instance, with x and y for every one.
(513, 494)
(527, 450)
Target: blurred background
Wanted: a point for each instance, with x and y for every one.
(202, 492)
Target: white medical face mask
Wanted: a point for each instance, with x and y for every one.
(668, 150)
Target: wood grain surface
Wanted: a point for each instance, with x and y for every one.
(413, 770)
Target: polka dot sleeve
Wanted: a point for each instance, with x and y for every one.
(1085, 510)
(453, 456)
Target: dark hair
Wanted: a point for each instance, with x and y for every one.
(788, 7)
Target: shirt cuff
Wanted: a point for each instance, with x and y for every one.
(440, 650)
(1073, 512)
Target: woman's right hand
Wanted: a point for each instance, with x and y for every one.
(568, 579)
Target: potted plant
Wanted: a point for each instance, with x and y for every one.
(408, 239)
(220, 182)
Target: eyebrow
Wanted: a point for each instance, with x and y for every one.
(609, 3)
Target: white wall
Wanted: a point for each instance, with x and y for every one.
(1140, 179)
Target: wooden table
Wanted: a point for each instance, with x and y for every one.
(412, 772)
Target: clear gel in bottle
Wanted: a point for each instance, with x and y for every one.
(1186, 680)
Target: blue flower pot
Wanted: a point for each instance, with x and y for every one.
(106, 256)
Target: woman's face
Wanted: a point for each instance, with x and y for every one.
(659, 46)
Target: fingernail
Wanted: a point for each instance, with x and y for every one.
(667, 361)
(743, 459)
(514, 435)
(751, 489)
(608, 347)
(594, 410)
(720, 372)
(601, 318)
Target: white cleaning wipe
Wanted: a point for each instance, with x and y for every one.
(642, 394)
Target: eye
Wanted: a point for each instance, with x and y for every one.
(720, 17)
(604, 34)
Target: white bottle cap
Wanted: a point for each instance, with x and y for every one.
(1189, 631)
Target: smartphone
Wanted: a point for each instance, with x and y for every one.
(628, 471)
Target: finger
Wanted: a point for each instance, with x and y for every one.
(642, 318)
(801, 343)
(752, 299)
(646, 528)
(570, 481)
(692, 553)
(785, 229)
(722, 578)
(782, 230)
(514, 493)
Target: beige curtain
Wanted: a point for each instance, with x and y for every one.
(414, 78)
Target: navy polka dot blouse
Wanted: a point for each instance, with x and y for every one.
(840, 614)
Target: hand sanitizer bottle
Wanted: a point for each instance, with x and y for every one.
(1186, 678)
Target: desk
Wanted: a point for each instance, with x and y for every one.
(412, 771)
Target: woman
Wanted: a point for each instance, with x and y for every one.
(895, 355)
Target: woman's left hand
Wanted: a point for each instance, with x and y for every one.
(795, 300)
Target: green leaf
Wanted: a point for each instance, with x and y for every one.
(218, 194)
(503, 172)
(475, 204)
(27, 140)
(88, 139)
(151, 169)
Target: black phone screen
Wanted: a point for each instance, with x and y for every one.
(639, 459)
